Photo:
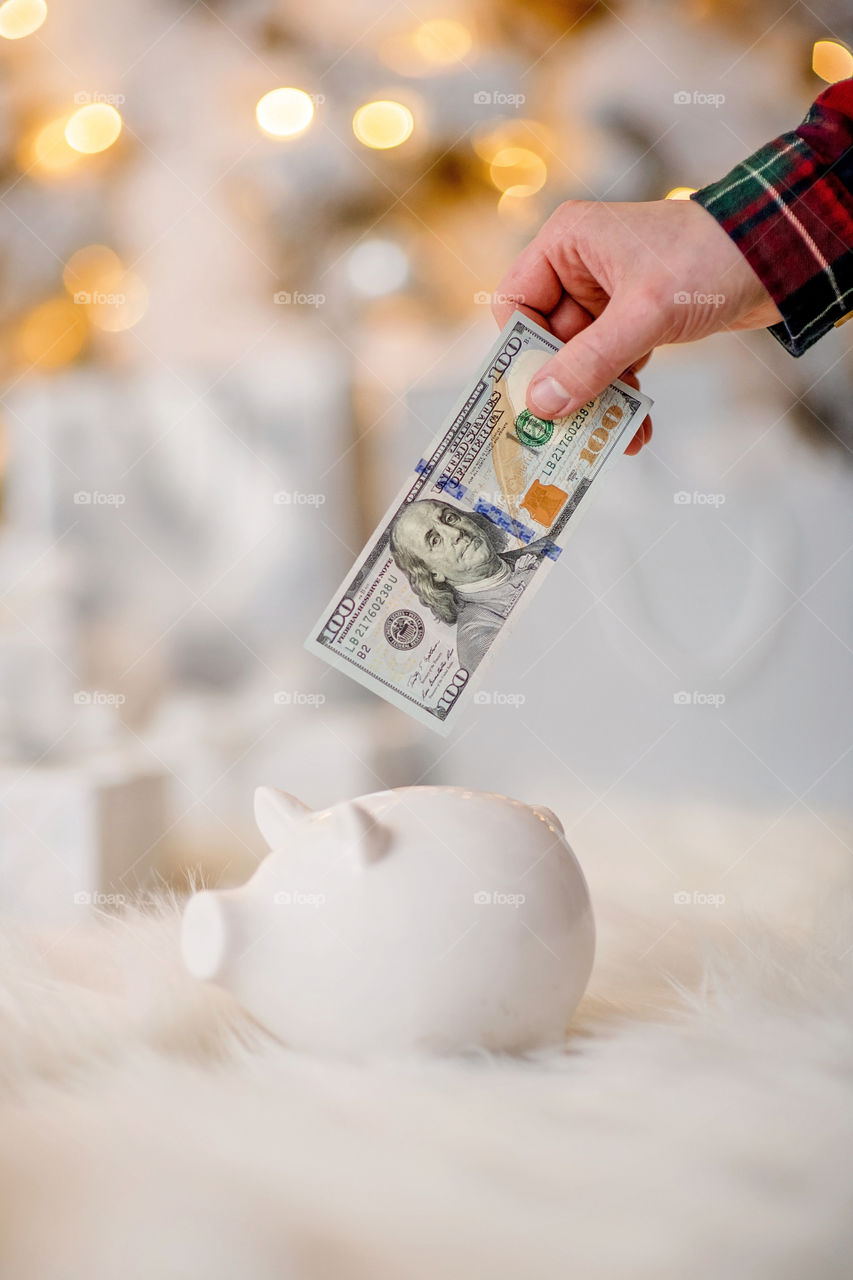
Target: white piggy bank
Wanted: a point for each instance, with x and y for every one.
(421, 918)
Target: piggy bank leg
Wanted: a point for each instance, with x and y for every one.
(205, 935)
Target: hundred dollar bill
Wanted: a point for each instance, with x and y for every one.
(468, 539)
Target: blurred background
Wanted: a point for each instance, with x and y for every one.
(246, 254)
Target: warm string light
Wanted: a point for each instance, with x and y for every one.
(679, 193)
(51, 334)
(383, 124)
(112, 297)
(19, 18)
(518, 170)
(93, 128)
(832, 61)
(284, 113)
(431, 47)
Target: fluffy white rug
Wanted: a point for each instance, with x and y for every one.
(699, 1124)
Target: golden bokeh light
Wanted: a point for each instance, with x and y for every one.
(93, 128)
(679, 193)
(832, 61)
(383, 124)
(284, 113)
(495, 137)
(19, 18)
(518, 170)
(91, 268)
(46, 150)
(119, 303)
(442, 41)
(519, 210)
(51, 335)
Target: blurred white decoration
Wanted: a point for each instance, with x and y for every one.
(377, 267)
(74, 837)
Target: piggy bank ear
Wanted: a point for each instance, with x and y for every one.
(363, 836)
(276, 814)
(549, 816)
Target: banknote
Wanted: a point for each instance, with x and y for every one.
(479, 523)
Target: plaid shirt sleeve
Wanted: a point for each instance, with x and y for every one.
(789, 209)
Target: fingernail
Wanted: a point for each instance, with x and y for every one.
(549, 396)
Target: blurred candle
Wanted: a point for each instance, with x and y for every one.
(19, 18)
(383, 124)
(284, 113)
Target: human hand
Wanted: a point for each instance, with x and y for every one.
(614, 281)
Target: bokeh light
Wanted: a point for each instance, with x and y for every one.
(93, 128)
(383, 124)
(377, 267)
(832, 61)
(118, 303)
(19, 18)
(518, 170)
(519, 210)
(51, 335)
(497, 136)
(46, 151)
(679, 193)
(284, 113)
(89, 268)
(442, 41)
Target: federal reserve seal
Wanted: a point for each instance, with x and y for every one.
(404, 629)
(533, 431)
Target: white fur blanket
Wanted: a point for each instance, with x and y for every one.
(698, 1125)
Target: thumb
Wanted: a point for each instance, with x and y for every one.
(591, 360)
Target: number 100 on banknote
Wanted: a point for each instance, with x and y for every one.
(480, 521)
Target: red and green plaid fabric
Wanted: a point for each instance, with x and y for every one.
(789, 209)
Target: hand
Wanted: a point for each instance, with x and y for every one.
(613, 281)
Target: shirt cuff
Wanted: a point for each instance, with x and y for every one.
(789, 210)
